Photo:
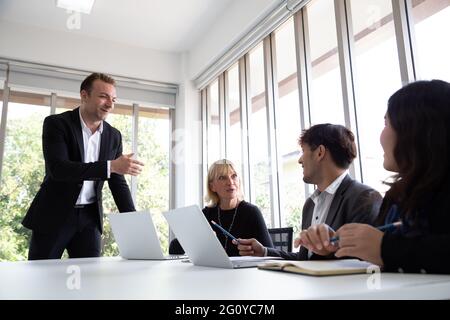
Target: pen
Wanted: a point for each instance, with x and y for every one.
(225, 232)
(381, 228)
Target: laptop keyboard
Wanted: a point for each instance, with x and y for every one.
(176, 257)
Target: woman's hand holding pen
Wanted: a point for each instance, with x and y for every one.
(317, 239)
(361, 241)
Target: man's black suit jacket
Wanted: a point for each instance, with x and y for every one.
(352, 202)
(65, 172)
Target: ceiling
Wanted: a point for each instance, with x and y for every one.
(165, 25)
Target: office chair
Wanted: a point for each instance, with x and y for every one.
(282, 238)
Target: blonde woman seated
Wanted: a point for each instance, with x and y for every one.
(227, 207)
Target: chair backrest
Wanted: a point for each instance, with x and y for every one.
(282, 238)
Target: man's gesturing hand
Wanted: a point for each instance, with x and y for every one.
(126, 165)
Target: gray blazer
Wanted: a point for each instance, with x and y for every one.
(352, 202)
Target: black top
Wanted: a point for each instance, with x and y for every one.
(248, 223)
(424, 244)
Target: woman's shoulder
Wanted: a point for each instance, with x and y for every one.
(208, 210)
(249, 206)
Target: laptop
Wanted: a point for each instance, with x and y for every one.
(136, 236)
(200, 243)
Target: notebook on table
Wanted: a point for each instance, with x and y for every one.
(136, 236)
(199, 241)
(320, 268)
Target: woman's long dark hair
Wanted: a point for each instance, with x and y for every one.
(420, 116)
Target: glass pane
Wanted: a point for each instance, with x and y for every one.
(153, 183)
(288, 113)
(213, 139)
(259, 159)
(430, 19)
(377, 76)
(234, 139)
(326, 91)
(23, 170)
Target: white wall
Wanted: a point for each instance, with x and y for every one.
(70, 50)
(238, 20)
(188, 143)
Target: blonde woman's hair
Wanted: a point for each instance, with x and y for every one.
(219, 168)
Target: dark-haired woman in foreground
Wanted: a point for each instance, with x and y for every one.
(416, 144)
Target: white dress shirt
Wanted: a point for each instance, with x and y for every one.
(91, 142)
(322, 202)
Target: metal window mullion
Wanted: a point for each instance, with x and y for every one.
(243, 101)
(53, 98)
(304, 72)
(269, 72)
(222, 116)
(4, 117)
(134, 146)
(172, 167)
(404, 34)
(303, 69)
(345, 52)
(248, 104)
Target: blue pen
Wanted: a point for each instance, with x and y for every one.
(225, 232)
(381, 228)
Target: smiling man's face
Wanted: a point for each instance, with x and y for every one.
(99, 102)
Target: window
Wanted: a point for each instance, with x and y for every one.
(375, 69)
(326, 90)
(153, 183)
(23, 166)
(292, 189)
(22, 171)
(121, 119)
(258, 136)
(377, 76)
(431, 18)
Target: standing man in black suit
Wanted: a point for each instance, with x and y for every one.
(327, 152)
(81, 151)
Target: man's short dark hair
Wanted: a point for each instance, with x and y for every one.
(339, 140)
(87, 83)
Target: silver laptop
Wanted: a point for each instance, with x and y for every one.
(136, 236)
(199, 241)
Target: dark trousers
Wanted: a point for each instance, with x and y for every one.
(80, 235)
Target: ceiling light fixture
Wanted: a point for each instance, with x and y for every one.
(83, 6)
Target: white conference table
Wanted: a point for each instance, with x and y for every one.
(116, 278)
